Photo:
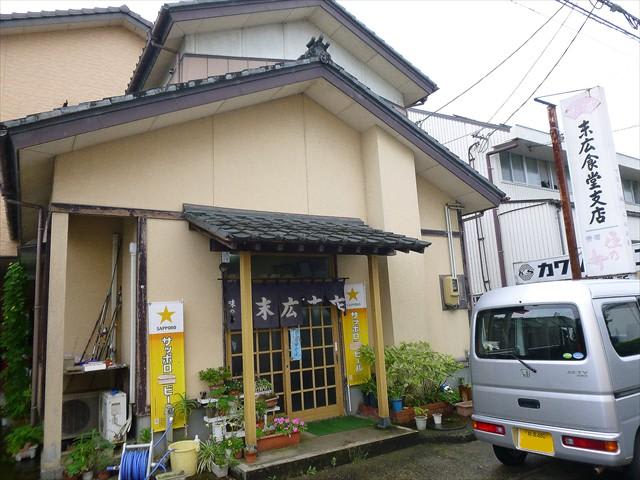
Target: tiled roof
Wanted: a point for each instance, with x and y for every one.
(59, 14)
(268, 231)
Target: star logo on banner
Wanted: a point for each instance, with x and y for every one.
(353, 294)
(165, 315)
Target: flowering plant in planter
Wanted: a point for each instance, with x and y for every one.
(286, 426)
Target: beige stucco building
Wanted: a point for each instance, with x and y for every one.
(49, 59)
(265, 129)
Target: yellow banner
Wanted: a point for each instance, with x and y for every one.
(166, 360)
(355, 329)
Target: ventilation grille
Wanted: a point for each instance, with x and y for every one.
(79, 413)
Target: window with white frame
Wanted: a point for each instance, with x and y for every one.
(518, 168)
(631, 190)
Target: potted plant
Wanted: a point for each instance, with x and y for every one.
(464, 389)
(369, 391)
(421, 417)
(184, 406)
(233, 387)
(212, 458)
(272, 402)
(261, 411)
(81, 459)
(233, 447)
(22, 442)
(214, 378)
(396, 390)
(263, 386)
(285, 432)
(250, 454)
(437, 418)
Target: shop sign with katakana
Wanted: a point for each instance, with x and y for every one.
(166, 360)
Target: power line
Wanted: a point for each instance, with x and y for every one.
(552, 68)
(595, 39)
(535, 62)
(549, 72)
(494, 68)
(598, 19)
(633, 21)
(626, 128)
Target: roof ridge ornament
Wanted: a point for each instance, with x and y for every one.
(317, 48)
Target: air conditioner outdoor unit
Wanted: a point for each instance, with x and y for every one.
(79, 413)
(113, 413)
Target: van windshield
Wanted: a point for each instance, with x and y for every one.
(530, 332)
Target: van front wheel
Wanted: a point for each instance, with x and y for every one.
(509, 456)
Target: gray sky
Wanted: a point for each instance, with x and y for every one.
(455, 42)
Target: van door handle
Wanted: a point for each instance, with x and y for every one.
(529, 403)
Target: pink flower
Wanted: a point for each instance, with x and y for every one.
(286, 420)
(296, 421)
(302, 423)
(295, 430)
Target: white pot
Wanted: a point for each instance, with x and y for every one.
(220, 472)
(421, 422)
(437, 418)
(87, 475)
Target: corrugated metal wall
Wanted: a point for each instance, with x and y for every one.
(470, 141)
(529, 229)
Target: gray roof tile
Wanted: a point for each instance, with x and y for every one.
(273, 231)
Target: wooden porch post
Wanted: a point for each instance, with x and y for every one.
(248, 375)
(378, 341)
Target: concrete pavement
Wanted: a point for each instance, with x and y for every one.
(464, 461)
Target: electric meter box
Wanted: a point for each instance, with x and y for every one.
(113, 413)
(451, 291)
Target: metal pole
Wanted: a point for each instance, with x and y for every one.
(572, 245)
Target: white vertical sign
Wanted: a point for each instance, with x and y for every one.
(597, 191)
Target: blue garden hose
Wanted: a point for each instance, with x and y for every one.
(133, 465)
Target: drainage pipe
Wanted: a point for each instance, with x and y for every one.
(133, 309)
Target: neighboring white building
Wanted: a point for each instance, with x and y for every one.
(528, 224)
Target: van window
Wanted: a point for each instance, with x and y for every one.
(623, 325)
(533, 332)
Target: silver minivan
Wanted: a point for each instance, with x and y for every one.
(555, 370)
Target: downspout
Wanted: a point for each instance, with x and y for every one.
(37, 308)
(133, 309)
(452, 254)
(452, 257)
(496, 220)
(465, 264)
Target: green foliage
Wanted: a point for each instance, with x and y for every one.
(183, 407)
(88, 452)
(369, 387)
(144, 436)
(232, 385)
(311, 471)
(263, 385)
(414, 370)
(450, 396)
(214, 377)
(421, 412)
(261, 408)
(213, 453)
(20, 436)
(14, 343)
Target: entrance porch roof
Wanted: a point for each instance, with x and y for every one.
(234, 229)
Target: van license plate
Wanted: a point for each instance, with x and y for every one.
(535, 441)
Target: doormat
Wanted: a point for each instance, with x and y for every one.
(338, 424)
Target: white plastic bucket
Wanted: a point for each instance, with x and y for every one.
(184, 456)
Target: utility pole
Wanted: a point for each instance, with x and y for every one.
(572, 246)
